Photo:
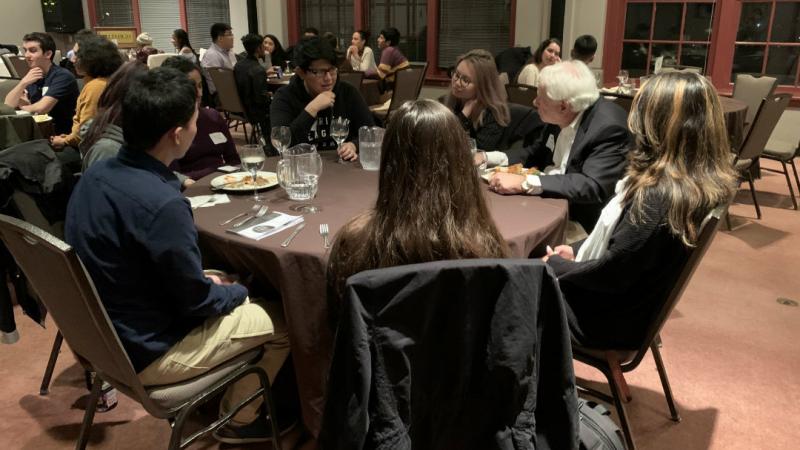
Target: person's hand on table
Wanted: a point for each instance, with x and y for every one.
(321, 102)
(564, 251)
(58, 142)
(347, 151)
(507, 183)
(188, 182)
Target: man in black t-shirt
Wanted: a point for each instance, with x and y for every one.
(314, 97)
(46, 88)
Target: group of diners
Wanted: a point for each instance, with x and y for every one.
(638, 185)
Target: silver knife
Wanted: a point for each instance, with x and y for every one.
(291, 236)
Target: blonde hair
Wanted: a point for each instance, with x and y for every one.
(681, 152)
(490, 92)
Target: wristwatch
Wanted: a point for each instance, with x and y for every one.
(526, 187)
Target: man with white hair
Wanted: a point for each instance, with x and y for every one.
(581, 152)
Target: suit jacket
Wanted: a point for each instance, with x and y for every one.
(596, 162)
(466, 354)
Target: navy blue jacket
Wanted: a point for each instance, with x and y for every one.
(134, 232)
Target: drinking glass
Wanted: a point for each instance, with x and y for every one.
(252, 157)
(622, 77)
(280, 137)
(340, 128)
(369, 147)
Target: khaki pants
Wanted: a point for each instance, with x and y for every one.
(221, 338)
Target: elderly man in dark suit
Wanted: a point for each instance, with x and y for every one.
(582, 150)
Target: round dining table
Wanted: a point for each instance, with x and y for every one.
(297, 273)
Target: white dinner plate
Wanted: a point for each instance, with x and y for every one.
(237, 181)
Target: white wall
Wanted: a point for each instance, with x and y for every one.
(238, 23)
(272, 19)
(19, 17)
(532, 22)
(584, 17)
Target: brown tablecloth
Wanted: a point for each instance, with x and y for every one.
(18, 129)
(735, 112)
(298, 272)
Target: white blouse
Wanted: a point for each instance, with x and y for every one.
(529, 75)
(363, 63)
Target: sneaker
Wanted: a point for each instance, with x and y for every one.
(257, 431)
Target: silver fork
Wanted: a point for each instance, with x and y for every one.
(260, 213)
(323, 231)
(252, 211)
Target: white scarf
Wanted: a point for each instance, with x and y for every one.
(597, 243)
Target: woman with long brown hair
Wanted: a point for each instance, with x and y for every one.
(679, 170)
(430, 205)
(478, 99)
(547, 54)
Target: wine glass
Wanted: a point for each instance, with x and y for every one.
(623, 78)
(252, 157)
(280, 137)
(340, 128)
(288, 67)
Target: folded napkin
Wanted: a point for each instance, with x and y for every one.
(266, 226)
(204, 201)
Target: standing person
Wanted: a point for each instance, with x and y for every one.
(439, 214)
(584, 48)
(273, 47)
(180, 40)
(547, 54)
(616, 280)
(581, 152)
(97, 59)
(359, 54)
(314, 97)
(392, 59)
(134, 232)
(46, 88)
(251, 82)
(220, 54)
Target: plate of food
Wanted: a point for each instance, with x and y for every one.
(243, 181)
(516, 169)
(39, 118)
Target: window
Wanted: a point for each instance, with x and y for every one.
(201, 14)
(487, 26)
(159, 18)
(768, 41)
(410, 17)
(335, 16)
(113, 13)
(725, 37)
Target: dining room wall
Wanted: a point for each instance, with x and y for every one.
(19, 17)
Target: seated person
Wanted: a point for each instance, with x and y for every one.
(359, 54)
(392, 59)
(213, 145)
(314, 97)
(440, 213)
(548, 53)
(134, 232)
(180, 40)
(273, 48)
(581, 152)
(144, 48)
(97, 59)
(616, 280)
(251, 82)
(584, 49)
(46, 88)
(220, 54)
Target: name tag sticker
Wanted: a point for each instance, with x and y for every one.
(551, 143)
(218, 138)
(44, 90)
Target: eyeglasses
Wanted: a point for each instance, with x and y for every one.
(457, 77)
(320, 73)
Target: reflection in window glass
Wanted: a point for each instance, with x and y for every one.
(747, 59)
(668, 21)
(409, 17)
(782, 63)
(694, 55)
(634, 59)
(698, 21)
(113, 13)
(786, 25)
(668, 51)
(637, 20)
(753, 22)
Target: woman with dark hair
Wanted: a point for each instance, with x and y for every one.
(103, 138)
(547, 54)
(679, 170)
(275, 50)
(359, 54)
(180, 40)
(440, 213)
(392, 59)
(97, 59)
(478, 99)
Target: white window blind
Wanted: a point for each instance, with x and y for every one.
(159, 19)
(486, 26)
(201, 14)
(113, 13)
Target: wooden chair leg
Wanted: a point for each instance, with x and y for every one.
(88, 416)
(619, 378)
(44, 389)
(662, 373)
(753, 194)
(789, 183)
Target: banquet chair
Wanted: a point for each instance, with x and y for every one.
(679, 68)
(16, 65)
(784, 152)
(230, 102)
(67, 290)
(764, 123)
(156, 60)
(447, 354)
(407, 85)
(752, 90)
(353, 78)
(614, 363)
(521, 94)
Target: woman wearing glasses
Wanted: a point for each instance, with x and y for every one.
(314, 98)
